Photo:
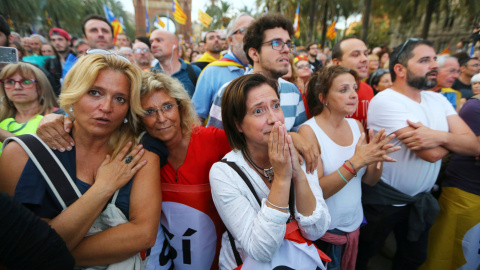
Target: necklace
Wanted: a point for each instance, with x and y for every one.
(267, 173)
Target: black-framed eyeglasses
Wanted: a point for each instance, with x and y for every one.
(24, 83)
(278, 45)
(165, 109)
(241, 30)
(140, 50)
(405, 45)
(105, 52)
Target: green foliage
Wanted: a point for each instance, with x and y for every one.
(219, 15)
(67, 14)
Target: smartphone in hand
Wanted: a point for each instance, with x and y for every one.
(8, 55)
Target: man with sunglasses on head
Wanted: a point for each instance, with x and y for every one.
(231, 66)
(427, 128)
(352, 53)
(267, 45)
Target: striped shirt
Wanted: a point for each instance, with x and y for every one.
(290, 101)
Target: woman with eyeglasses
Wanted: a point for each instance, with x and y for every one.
(346, 160)
(117, 207)
(25, 97)
(380, 80)
(187, 206)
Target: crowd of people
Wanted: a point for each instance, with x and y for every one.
(239, 151)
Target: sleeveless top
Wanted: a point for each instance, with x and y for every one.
(29, 127)
(345, 206)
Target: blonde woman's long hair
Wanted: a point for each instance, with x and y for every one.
(153, 82)
(84, 74)
(46, 97)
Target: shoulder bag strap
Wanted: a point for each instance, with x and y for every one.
(243, 176)
(191, 74)
(235, 167)
(50, 167)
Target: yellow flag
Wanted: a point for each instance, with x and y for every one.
(332, 32)
(204, 18)
(178, 13)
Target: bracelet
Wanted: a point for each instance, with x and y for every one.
(353, 167)
(278, 207)
(348, 169)
(342, 176)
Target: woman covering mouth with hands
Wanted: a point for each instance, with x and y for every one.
(263, 154)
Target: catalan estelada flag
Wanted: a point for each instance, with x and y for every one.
(117, 26)
(204, 18)
(147, 21)
(447, 50)
(332, 32)
(296, 22)
(159, 22)
(49, 19)
(178, 13)
(9, 22)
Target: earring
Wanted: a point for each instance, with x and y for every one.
(326, 104)
(125, 120)
(71, 110)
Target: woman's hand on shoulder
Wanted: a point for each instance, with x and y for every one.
(54, 131)
(114, 173)
(374, 151)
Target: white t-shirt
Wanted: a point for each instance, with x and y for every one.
(345, 206)
(390, 110)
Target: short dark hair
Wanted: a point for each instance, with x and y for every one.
(95, 17)
(144, 39)
(337, 52)
(406, 54)
(310, 44)
(234, 105)
(205, 37)
(321, 82)
(375, 77)
(4, 28)
(255, 32)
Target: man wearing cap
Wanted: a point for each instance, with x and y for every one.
(60, 40)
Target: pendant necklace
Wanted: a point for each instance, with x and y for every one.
(267, 173)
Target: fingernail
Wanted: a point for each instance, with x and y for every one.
(53, 148)
(62, 149)
(69, 148)
(72, 143)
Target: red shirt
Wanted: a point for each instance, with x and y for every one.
(207, 146)
(365, 94)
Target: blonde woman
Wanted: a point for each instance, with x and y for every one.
(102, 92)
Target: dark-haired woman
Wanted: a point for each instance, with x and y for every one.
(264, 153)
(346, 158)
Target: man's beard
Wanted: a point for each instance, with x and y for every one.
(421, 83)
